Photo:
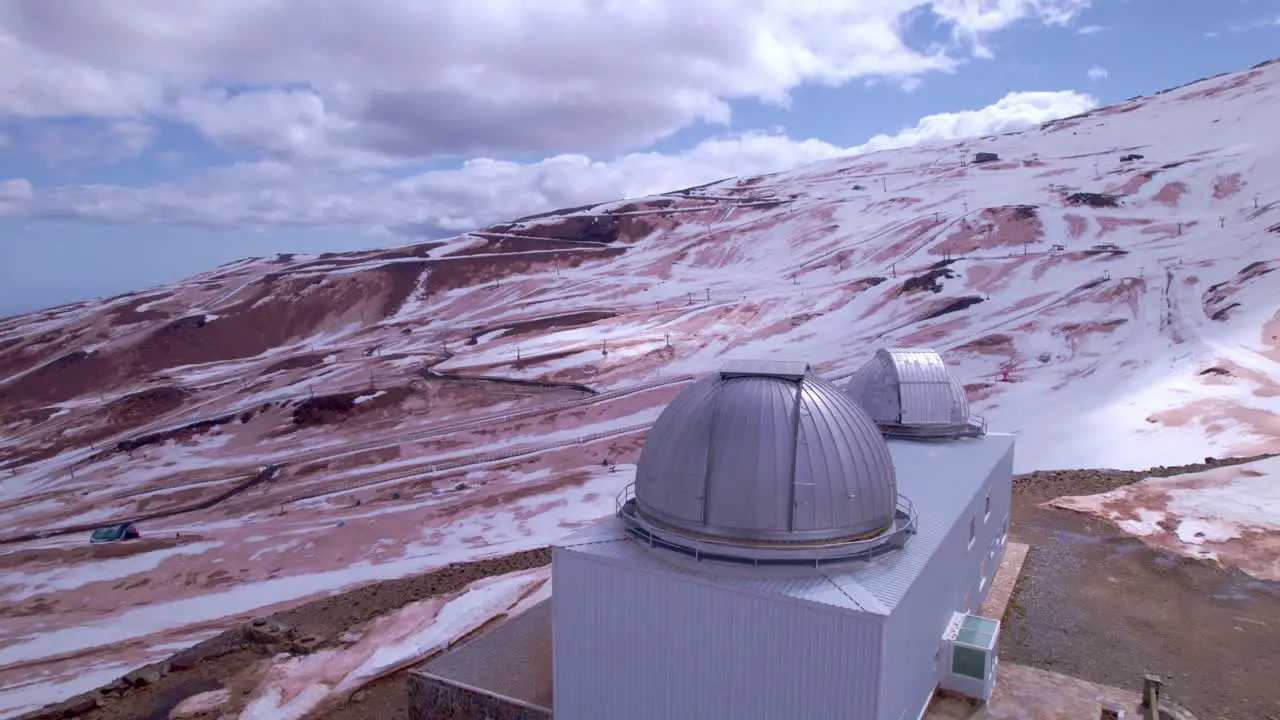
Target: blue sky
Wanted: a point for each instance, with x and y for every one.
(136, 151)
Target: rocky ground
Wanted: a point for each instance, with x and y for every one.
(1098, 604)
(1091, 603)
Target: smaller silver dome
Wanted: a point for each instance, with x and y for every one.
(910, 391)
(766, 461)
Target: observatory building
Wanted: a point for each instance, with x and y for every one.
(777, 557)
(909, 392)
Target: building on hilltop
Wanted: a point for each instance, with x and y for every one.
(780, 558)
(766, 465)
(910, 393)
(776, 557)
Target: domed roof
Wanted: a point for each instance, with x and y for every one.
(909, 387)
(761, 453)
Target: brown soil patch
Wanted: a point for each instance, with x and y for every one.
(145, 405)
(1006, 226)
(32, 559)
(295, 362)
(403, 279)
(376, 456)
(551, 322)
(128, 313)
(997, 344)
(1271, 337)
(462, 272)
(1224, 186)
(1171, 193)
(421, 250)
(1075, 333)
(69, 376)
(181, 434)
(324, 409)
(489, 245)
(1075, 225)
(281, 310)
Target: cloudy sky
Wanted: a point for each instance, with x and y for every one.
(145, 140)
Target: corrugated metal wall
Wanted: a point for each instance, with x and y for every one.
(930, 393)
(913, 635)
(647, 645)
(875, 387)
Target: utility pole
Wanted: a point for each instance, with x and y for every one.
(1222, 222)
(517, 354)
(708, 294)
(667, 337)
(884, 184)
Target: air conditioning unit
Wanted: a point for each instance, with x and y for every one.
(969, 656)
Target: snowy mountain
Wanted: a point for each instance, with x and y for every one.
(1102, 283)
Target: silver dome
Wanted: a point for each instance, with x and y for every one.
(910, 387)
(759, 454)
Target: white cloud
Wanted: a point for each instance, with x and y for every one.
(1090, 29)
(1097, 72)
(89, 143)
(396, 81)
(483, 191)
(15, 194)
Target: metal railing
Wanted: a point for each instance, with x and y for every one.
(760, 553)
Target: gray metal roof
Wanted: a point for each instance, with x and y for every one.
(762, 457)
(909, 386)
(874, 586)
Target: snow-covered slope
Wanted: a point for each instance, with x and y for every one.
(1105, 286)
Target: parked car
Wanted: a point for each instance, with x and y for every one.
(112, 533)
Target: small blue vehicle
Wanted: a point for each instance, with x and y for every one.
(113, 533)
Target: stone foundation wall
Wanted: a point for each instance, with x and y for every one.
(432, 698)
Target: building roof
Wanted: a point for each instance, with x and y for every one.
(909, 386)
(872, 586)
(766, 457)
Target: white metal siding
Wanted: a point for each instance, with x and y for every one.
(646, 644)
(913, 633)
